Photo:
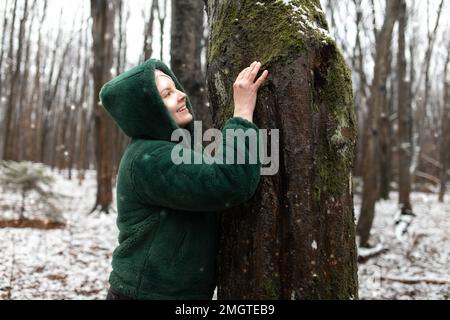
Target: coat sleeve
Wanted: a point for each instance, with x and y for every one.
(198, 187)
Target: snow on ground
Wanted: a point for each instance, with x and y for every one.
(420, 263)
(75, 262)
(71, 263)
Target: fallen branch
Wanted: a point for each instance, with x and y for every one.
(416, 280)
(34, 224)
(364, 254)
(428, 177)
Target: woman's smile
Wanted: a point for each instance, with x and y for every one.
(182, 109)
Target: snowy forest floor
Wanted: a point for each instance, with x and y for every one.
(75, 262)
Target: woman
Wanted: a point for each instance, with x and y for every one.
(167, 213)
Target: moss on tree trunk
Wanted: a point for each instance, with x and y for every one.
(296, 238)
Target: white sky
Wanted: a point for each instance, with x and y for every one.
(135, 27)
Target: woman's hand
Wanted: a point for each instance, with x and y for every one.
(246, 89)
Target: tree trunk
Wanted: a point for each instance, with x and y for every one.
(148, 35)
(162, 14)
(445, 132)
(47, 99)
(372, 123)
(36, 94)
(8, 147)
(422, 110)
(52, 97)
(2, 80)
(186, 50)
(404, 116)
(24, 132)
(295, 239)
(102, 12)
(358, 62)
(386, 137)
(83, 113)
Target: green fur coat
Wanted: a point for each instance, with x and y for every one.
(167, 213)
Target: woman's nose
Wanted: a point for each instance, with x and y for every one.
(183, 97)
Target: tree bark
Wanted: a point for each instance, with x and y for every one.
(148, 35)
(445, 132)
(385, 155)
(372, 123)
(186, 50)
(2, 54)
(8, 147)
(47, 99)
(36, 94)
(23, 132)
(404, 116)
(83, 113)
(52, 133)
(295, 239)
(421, 113)
(162, 14)
(102, 12)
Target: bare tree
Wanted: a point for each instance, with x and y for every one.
(404, 116)
(162, 14)
(445, 131)
(186, 50)
(15, 76)
(48, 96)
(83, 112)
(103, 16)
(385, 132)
(421, 113)
(372, 123)
(36, 93)
(148, 34)
(2, 51)
(53, 93)
(24, 108)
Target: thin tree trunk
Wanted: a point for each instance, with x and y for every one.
(77, 105)
(385, 155)
(47, 98)
(421, 114)
(2, 54)
(371, 132)
(36, 95)
(23, 131)
(445, 132)
(404, 116)
(162, 13)
(295, 239)
(83, 112)
(103, 16)
(361, 93)
(186, 50)
(148, 35)
(11, 98)
(53, 94)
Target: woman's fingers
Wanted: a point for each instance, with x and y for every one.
(249, 74)
(249, 70)
(261, 79)
(254, 71)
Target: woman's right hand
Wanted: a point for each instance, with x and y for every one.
(246, 89)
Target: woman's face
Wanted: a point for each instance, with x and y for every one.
(174, 99)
